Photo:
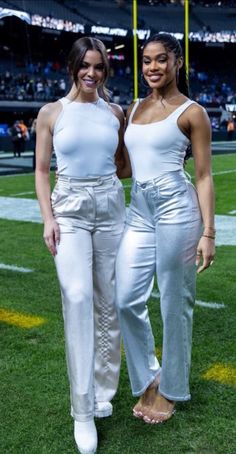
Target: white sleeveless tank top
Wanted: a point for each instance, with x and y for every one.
(85, 139)
(156, 148)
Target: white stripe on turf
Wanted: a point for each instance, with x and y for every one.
(225, 230)
(17, 209)
(155, 294)
(209, 305)
(223, 172)
(19, 269)
(22, 193)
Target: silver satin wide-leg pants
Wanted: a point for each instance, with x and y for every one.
(91, 216)
(162, 232)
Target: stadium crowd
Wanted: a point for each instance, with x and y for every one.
(47, 82)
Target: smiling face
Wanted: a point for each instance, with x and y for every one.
(91, 72)
(159, 65)
(88, 66)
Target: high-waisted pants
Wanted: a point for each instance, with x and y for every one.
(161, 235)
(91, 215)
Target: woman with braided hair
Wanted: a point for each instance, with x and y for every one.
(169, 229)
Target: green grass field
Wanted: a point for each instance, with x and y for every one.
(34, 389)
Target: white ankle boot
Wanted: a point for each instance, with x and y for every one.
(103, 409)
(86, 438)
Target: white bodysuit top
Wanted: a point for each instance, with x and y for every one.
(157, 147)
(85, 139)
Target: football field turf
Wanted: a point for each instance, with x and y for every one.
(34, 389)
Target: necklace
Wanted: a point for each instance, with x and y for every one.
(172, 97)
(160, 102)
(168, 99)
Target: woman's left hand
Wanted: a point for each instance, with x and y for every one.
(205, 253)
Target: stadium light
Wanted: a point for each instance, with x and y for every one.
(120, 46)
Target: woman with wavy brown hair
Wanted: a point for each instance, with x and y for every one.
(83, 222)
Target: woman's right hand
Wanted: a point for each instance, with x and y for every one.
(51, 235)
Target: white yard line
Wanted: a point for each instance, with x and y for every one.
(19, 269)
(22, 193)
(225, 230)
(155, 294)
(20, 209)
(13, 175)
(17, 209)
(224, 172)
(209, 305)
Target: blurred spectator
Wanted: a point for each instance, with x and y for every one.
(47, 81)
(18, 140)
(230, 129)
(33, 139)
(128, 71)
(116, 95)
(112, 71)
(24, 129)
(62, 87)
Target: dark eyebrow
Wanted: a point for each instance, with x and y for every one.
(88, 63)
(162, 54)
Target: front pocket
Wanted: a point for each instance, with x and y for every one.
(116, 203)
(70, 204)
(58, 194)
(170, 190)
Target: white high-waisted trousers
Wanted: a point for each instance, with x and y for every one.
(91, 216)
(162, 232)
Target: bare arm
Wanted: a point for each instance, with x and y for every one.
(42, 174)
(121, 157)
(201, 145)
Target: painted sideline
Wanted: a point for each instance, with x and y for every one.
(20, 269)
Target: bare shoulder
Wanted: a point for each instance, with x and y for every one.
(197, 114)
(129, 110)
(118, 111)
(50, 109)
(48, 114)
